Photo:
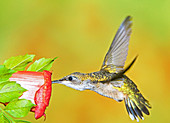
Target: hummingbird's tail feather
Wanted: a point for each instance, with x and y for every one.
(145, 102)
(135, 107)
(132, 113)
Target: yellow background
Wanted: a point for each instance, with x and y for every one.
(80, 33)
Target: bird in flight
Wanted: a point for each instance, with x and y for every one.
(110, 81)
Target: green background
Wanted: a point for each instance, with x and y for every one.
(80, 33)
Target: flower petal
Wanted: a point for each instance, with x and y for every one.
(38, 85)
(42, 96)
(29, 80)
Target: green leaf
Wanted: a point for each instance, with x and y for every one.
(18, 63)
(4, 117)
(10, 90)
(22, 121)
(5, 73)
(41, 64)
(19, 108)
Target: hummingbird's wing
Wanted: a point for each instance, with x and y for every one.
(116, 56)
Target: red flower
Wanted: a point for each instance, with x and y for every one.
(38, 85)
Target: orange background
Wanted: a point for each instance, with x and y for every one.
(80, 33)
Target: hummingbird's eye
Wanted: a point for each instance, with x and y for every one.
(70, 78)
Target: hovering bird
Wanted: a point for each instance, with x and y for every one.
(110, 81)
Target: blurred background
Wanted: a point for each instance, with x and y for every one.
(80, 33)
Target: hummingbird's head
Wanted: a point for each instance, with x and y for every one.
(75, 80)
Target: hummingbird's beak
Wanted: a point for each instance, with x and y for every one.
(56, 81)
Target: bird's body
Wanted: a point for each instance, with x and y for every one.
(110, 81)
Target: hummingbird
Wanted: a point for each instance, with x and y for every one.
(110, 81)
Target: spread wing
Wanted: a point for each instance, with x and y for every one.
(116, 56)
